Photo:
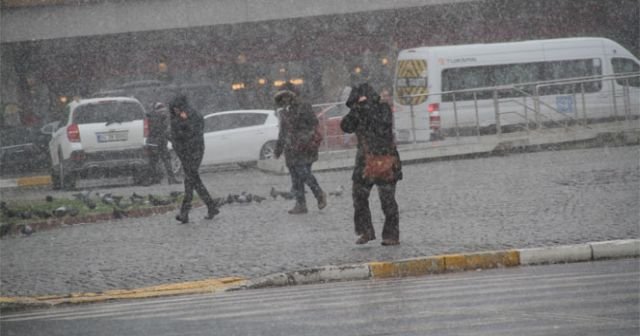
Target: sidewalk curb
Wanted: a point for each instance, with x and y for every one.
(627, 248)
(420, 266)
(183, 288)
(28, 181)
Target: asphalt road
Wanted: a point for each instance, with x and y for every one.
(516, 201)
(594, 298)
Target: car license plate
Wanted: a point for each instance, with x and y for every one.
(112, 136)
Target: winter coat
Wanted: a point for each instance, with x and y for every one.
(297, 126)
(372, 122)
(158, 127)
(187, 135)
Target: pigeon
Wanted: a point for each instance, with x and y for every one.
(85, 197)
(106, 199)
(337, 192)
(284, 194)
(26, 230)
(82, 195)
(136, 197)
(4, 229)
(119, 213)
(6, 211)
(26, 214)
(72, 211)
(126, 205)
(176, 194)
(155, 201)
(42, 214)
(243, 198)
(117, 199)
(258, 199)
(220, 201)
(60, 212)
(90, 203)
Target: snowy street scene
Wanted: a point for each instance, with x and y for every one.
(270, 167)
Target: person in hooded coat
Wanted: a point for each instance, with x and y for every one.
(157, 143)
(187, 137)
(372, 122)
(297, 127)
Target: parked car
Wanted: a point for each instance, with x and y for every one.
(239, 136)
(23, 150)
(99, 136)
(329, 119)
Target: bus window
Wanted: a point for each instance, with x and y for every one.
(572, 69)
(455, 79)
(625, 65)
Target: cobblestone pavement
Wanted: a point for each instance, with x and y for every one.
(519, 200)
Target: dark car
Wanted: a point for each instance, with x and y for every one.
(23, 150)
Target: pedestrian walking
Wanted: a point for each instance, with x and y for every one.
(299, 139)
(377, 163)
(187, 138)
(157, 144)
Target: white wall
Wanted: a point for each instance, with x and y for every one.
(50, 22)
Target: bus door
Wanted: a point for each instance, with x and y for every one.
(626, 89)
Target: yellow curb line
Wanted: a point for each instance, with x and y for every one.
(190, 287)
(444, 263)
(33, 181)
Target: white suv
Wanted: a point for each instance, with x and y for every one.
(99, 135)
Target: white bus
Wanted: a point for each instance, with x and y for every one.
(443, 80)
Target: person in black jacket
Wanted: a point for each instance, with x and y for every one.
(157, 144)
(296, 140)
(187, 138)
(372, 122)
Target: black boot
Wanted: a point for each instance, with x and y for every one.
(183, 217)
(212, 213)
(298, 209)
(212, 209)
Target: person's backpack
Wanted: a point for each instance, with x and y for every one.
(310, 141)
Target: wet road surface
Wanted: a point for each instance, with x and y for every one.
(593, 298)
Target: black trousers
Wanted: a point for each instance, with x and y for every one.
(300, 175)
(190, 165)
(160, 152)
(362, 214)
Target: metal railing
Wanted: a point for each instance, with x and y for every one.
(536, 111)
(333, 137)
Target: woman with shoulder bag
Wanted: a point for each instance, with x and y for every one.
(297, 140)
(377, 163)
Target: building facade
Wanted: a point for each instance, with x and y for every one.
(52, 51)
